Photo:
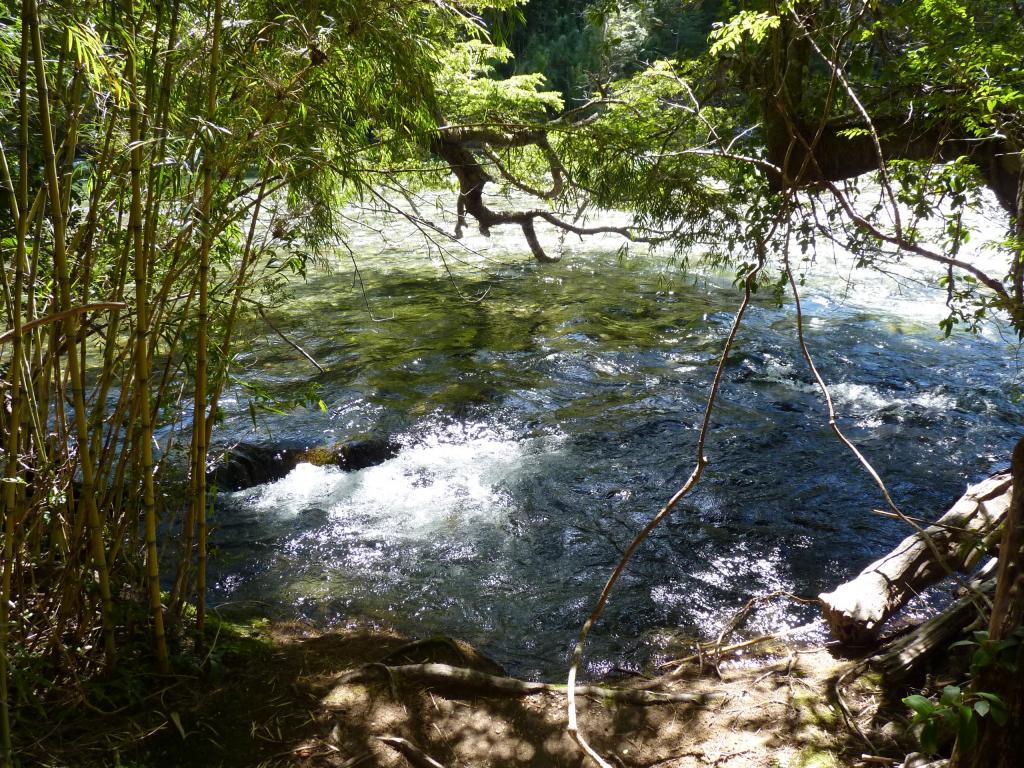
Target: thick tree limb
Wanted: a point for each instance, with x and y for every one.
(456, 146)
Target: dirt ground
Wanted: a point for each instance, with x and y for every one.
(278, 700)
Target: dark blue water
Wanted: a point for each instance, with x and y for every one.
(543, 425)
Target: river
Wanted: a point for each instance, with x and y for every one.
(545, 412)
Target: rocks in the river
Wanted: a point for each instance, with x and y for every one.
(368, 453)
(247, 464)
(357, 454)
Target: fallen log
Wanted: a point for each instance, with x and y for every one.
(857, 610)
(901, 660)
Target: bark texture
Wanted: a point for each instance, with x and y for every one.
(902, 660)
(837, 157)
(1002, 746)
(857, 610)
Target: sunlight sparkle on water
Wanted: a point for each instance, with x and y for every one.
(539, 425)
(737, 572)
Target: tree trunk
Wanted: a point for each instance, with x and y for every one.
(1002, 746)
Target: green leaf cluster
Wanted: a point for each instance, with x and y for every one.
(468, 91)
(745, 26)
(957, 710)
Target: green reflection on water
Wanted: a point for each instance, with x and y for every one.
(427, 347)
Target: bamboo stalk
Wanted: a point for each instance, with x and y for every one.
(145, 433)
(87, 497)
(84, 242)
(199, 414)
(19, 198)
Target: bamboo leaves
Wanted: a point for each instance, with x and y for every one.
(89, 52)
(164, 163)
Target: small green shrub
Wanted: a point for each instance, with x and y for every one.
(957, 711)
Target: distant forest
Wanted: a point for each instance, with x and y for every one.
(577, 43)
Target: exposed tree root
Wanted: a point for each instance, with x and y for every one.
(443, 649)
(416, 756)
(850, 718)
(481, 683)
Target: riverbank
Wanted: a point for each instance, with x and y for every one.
(277, 696)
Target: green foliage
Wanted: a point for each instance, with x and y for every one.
(312, 103)
(633, 157)
(968, 52)
(744, 26)
(89, 50)
(954, 715)
(957, 710)
(991, 654)
(469, 93)
(580, 45)
(554, 38)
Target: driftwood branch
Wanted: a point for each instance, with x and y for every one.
(703, 649)
(857, 609)
(416, 756)
(288, 341)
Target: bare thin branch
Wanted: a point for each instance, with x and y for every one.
(702, 461)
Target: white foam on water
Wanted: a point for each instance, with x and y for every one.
(452, 480)
(298, 490)
(866, 399)
(854, 398)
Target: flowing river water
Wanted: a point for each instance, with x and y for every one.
(542, 425)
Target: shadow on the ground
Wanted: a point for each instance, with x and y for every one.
(280, 704)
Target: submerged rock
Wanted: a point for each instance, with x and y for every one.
(360, 454)
(248, 464)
